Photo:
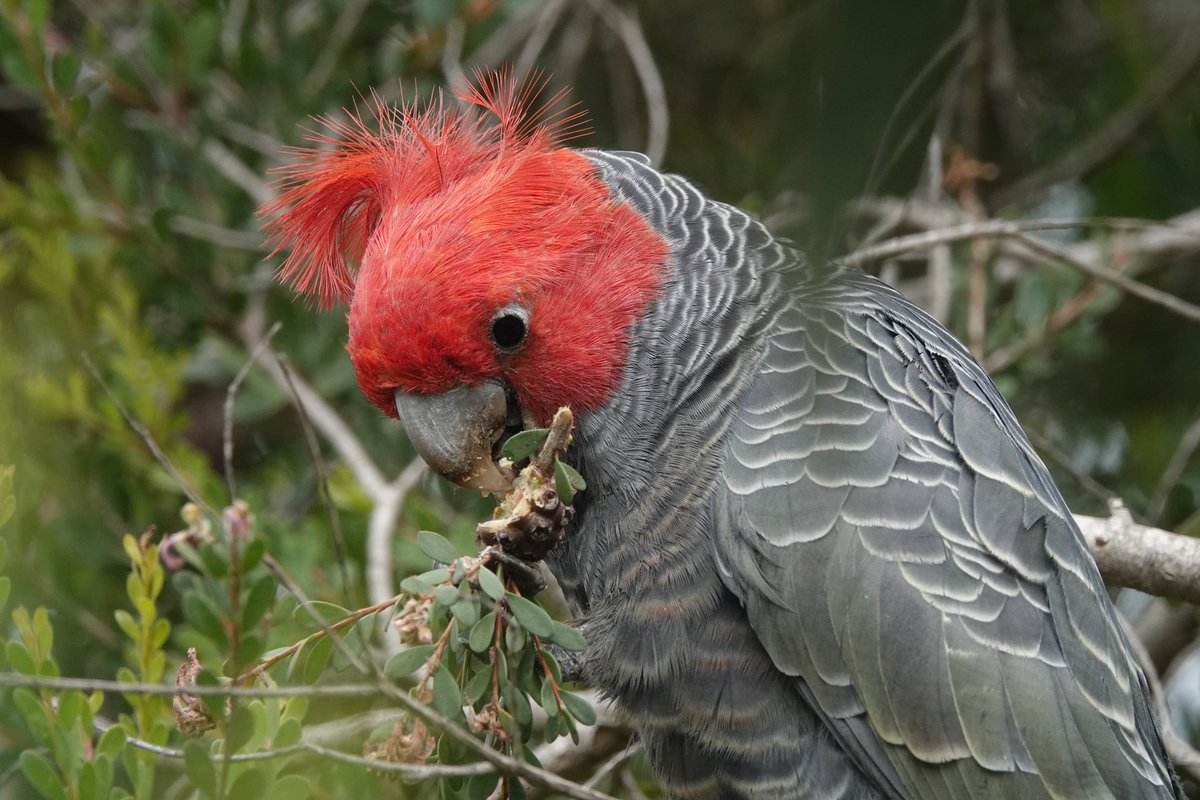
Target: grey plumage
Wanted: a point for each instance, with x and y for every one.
(820, 559)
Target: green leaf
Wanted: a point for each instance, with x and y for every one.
(480, 787)
(567, 481)
(291, 787)
(567, 637)
(329, 613)
(531, 616)
(298, 659)
(446, 596)
(524, 444)
(199, 767)
(491, 584)
(258, 600)
(86, 788)
(111, 743)
(214, 559)
(515, 638)
(253, 554)
(128, 624)
(5, 591)
(317, 659)
(482, 633)
(70, 706)
(205, 618)
(479, 685)
(8, 506)
(42, 775)
(239, 728)
(250, 785)
(287, 735)
(578, 708)
(18, 658)
(466, 612)
(65, 68)
(33, 711)
(416, 585)
(436, 546)
(548, 701)
(408, 661)
(44, 632)
(573, 476)
(446, 697)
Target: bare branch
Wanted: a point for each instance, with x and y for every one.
(144, 432)
(322, 472)
(1120, 128)
(550, 13)
(1147, 559)
(230, 397)
(159, 689)
(336, 40)
(1018, 232)
(1182, 755)
(228, 238)
(1189, 443)
(382, 526)
(331, 425)
(411, 771)
(629, 31)
(236, 171)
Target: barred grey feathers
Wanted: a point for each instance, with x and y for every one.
(820, 559)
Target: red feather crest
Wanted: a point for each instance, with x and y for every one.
(333, 197)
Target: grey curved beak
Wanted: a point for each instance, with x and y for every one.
(455, 432)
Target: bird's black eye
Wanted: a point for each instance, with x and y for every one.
(510, 326)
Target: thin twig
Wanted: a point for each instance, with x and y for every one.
(1017, 232)
(1183, 756)
(1189, 443)
(335, 430)
(230, 397)
(536, 42)
(144, 432)
(12, 679)
(1089, 484)
(227, 238)
(335, 40)
(233, 169)
(382, 526)
(627, 28)
(1062, 317)
(1120, 128)
(322, 471)
(1118, 279)
(412, 771)
(615, 762)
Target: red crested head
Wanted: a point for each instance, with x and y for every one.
(469, 247)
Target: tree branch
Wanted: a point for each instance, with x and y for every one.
(1147, 559)
(331, 425)
(1120, 128)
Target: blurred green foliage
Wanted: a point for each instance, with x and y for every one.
(135, 141)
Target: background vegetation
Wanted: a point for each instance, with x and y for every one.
(135, 141)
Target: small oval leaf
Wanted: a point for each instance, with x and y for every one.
(482, 633)
(408, 661)
(491, 584)
(436, 546)
(531, 616)
(567, 637)
(522, 445)
(578, 708)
